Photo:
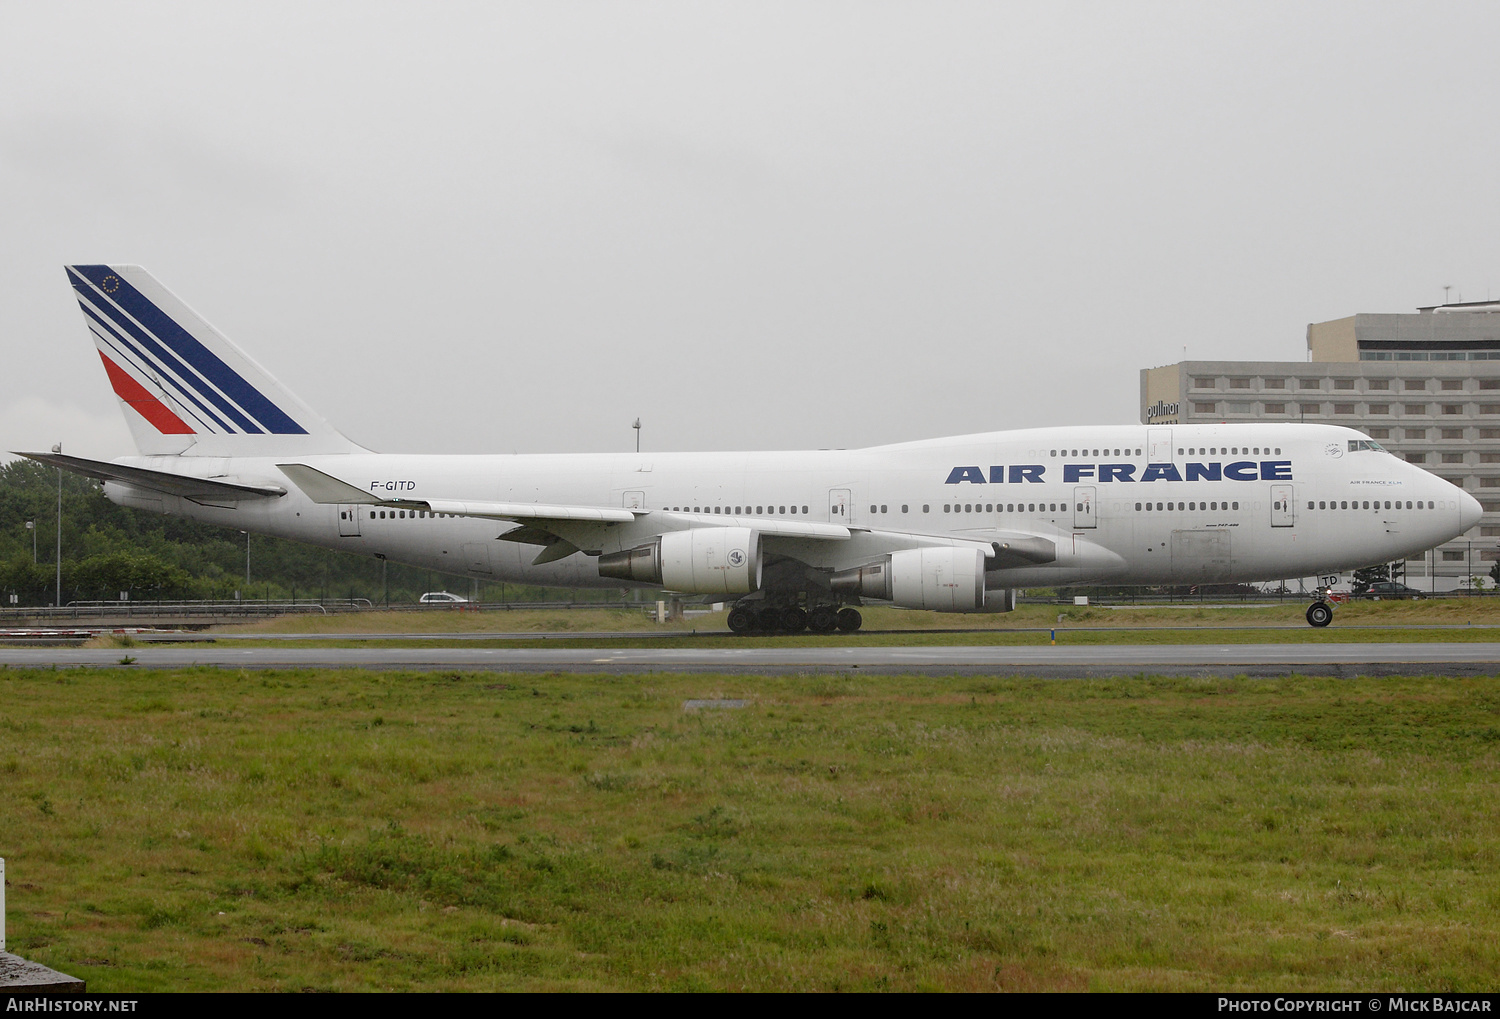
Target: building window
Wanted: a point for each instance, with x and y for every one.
(1452, 433)
(1453, 557)
(1380, 433)
(1309, 384)
(1281, 384)
(1416, 433)
(1489, 383)
(1343, 408)
(1239, 383)
(1489, 458)
(1203, 408)
(1380, 408)
(1238, 407)
(1489, 532)
(1415, 384)
(1308, 408)
(1489, 408)
(1378, 384)
(1489, 433)
(1415, 458)
(1451, 384)
(1275, 408)
(1453, 458)
(1343, 383)
(1203, 383)
(1414, 408)
(1489, 482)
(1458, 408)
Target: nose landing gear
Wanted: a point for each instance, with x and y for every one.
(1319, 614)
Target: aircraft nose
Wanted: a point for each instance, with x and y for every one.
(1469, 511)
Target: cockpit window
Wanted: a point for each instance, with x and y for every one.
(1358, 444)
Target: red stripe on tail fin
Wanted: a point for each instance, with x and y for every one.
(142, 402)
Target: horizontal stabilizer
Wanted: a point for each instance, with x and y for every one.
(157, 481)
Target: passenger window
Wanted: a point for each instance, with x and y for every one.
(925, 507)
(903, 507)
(1236, 505)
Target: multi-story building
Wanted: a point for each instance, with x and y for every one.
(1426, 386)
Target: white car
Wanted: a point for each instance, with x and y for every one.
(442, 598)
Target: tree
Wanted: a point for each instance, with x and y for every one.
(1367, 575)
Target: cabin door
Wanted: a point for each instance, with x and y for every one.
(840, 506)
(349, 521)
(1283, 508)
(1159, 442)
(1084, 504)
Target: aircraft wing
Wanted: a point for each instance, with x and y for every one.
(158, 481)
(564, 529)
(325, 488)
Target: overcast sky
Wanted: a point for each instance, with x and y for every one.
(501, 227)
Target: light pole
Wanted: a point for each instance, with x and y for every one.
(31, 526)
(247, 562)
(58, 450)
(637, 427)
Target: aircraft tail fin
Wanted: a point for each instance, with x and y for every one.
(184, 387)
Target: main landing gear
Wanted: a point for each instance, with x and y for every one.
(758, 617)
(1319, 613)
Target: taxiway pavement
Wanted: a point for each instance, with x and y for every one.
(1362, 659)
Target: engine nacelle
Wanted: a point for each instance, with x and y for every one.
(941, 579)
(703, 560)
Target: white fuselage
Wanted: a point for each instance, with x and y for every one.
(1124, 505)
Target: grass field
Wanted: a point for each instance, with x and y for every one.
(1453, 619)
(205, 830)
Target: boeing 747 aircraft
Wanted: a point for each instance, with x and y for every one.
(795, 539)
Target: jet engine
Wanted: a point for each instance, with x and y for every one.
(704, 560)
(942, 579)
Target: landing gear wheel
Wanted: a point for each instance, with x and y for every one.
(741, 620)
(850, 620)
(793, 620)
(769, 620)
(1319, 614)
(823, 619)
